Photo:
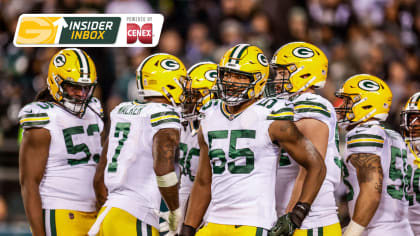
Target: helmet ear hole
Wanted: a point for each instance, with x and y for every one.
(367, 107)
(170, 86)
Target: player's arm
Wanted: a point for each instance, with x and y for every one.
(370, 177)
(320, 140)
(33, 155)
(201, 191)
(286, 134)
(165, 151)
(101, 191)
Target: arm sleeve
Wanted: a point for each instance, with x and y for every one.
(34, 115)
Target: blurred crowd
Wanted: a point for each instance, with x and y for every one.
(379, 37)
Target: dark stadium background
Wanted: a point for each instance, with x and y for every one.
(379, 37)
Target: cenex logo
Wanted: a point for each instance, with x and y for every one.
(143, 33)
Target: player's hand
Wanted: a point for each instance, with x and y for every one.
(287, 224)
(172, 219)
(283, 227)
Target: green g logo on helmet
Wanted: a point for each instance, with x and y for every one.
(262, 59)
(303, 52)
(368, 85)
(59, 60)
(211, 75)
(170, 64)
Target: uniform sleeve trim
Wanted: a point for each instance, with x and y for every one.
(41, 117)
(309, 103)
(365, 144)
(358, 136)
(162, 121)
(37, 123)
(161, 114)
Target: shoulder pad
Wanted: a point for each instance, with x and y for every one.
(95, 106)
(311, 103)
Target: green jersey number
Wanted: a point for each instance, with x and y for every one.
(124, 129)
(415, 184)
(185, 160)
(220, 155)
(284, 159)
(73, 149)
(398, 192)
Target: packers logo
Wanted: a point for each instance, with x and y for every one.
(262, 59)
(210, 75)
(368, 85)
(170, 64)
(59, 60)
(303, 52)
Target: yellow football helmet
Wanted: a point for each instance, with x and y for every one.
(72, 79)
(161, 75)
(200, 87)
(306, 65)
(410, 124)
(364, 97)
(245, 60)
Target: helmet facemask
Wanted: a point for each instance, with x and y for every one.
(193, 100)
(236, 93)
(76, 96)
(410, 125)
(345, 112)
(279, 83)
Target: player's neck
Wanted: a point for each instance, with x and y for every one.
(158, 100)
(241, 107)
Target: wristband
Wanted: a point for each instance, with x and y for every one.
(167, 180)
(299, 212)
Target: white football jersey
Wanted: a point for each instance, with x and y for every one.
(188, 163)
(129, 174)
(371, 137)
(323, 210)
(189, 157)
(73, 154)
(413, 174)
(243, 160)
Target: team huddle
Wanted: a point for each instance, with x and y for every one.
(243, 147)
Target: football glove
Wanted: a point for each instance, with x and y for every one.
(171, 222)
(288, 223)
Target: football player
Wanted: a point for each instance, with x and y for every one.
(240, 139)
(410, 125)
(60, 148)
(138, 161)
(198, 90)
(375, 160)
(300, 68)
